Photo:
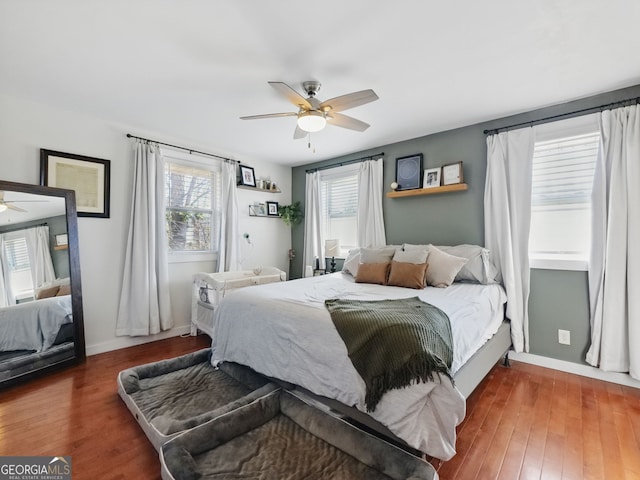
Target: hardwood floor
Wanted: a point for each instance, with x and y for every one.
(522, 422)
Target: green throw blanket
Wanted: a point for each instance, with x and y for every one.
(392, 343)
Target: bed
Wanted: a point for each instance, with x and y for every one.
(284, 331)
(34, 326)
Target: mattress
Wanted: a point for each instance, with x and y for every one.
(284, 331)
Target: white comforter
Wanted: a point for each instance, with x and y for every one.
(33, 325)
(283, 330)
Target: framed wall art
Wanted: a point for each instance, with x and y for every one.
(431, 178)
(452, 174)
(272, 209)
(247, 176)
(409, 172)
(87, 176)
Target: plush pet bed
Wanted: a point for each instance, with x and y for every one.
(171, 396)
(282, 436)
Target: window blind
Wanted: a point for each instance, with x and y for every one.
(17, 254)
(339, 198)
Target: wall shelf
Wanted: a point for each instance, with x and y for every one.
(256, 189)
(458, 187)
(254, 212)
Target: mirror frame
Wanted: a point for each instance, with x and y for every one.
(74, 276)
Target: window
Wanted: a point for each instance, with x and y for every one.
(339, 199)
(191, 195)
(564, 162)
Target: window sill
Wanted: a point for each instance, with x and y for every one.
(190, 257)
(559, 263)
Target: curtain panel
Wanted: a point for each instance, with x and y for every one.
(229, 241)
(507, 216)
(371, 231)
(614, 264)
(313, 242)
(145, 307)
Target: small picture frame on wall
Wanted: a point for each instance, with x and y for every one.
(247, 176)
(61, 239)
(409, 172)
(87, 176)
(431, 178)
(452, 174)
(272, 209)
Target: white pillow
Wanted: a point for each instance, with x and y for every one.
(417, 255)
(443, 267)
(478, 269)
(377, 255)
(351, 263)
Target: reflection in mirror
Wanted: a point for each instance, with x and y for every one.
(40, 294)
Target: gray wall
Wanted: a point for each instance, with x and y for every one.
(559, 299)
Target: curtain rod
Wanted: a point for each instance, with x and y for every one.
(347, 162)
(190, 150)
(17, 229)
(576, 113)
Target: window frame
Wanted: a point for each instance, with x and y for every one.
(335, 174)
(558, 130)
(195, 161)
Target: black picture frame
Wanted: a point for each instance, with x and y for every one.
(272, 209)
(88, 177)
(247, 176)
(409, 172)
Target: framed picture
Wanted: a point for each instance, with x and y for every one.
(452, 174)
(258, 210)
(87, 176)
(409, 172)
(272, 209)
(61, 239)
(431, 178)
(247, 176)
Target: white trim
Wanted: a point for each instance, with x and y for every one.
(556, 263)
(124, 342)
(191, 257)
(575, 368)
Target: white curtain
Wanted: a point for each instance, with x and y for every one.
(5, 292)
(37, 240)
(614, 265)
(313, 243)
(145, 307)
(370, 219)
(507, 215)
(229, 241)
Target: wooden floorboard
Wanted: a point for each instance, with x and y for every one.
(522, 422)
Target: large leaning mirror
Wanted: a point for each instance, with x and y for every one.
(41, 322)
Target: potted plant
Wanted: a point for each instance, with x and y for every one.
(290, 214)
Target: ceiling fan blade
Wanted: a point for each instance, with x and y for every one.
(340, 120)
(299, 133)
(290, 94)
(13, 207)
(269, 115)
(350, 100)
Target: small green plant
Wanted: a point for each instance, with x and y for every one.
(290, 214)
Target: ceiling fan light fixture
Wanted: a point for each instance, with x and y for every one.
(311, 121)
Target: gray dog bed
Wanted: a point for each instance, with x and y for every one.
(282, 436)
(171, 396)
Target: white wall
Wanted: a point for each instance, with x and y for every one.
(25, 127)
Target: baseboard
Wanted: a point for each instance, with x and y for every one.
(124, 342)
(575, 368)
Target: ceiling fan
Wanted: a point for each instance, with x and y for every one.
(313, 115)
(8, 204)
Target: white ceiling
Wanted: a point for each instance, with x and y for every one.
(34, 207)
(188, 69)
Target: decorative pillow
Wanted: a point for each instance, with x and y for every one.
(64, 290)
(443, 267)
(373, 273)
(377, 255)
(47, 292)
(407, 274)
(416, 255)
(352, 262)
(478, 269)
